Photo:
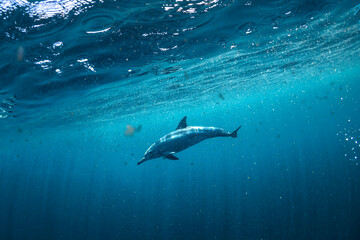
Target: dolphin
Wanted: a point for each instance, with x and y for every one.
(183, 137)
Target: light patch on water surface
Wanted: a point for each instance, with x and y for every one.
(167, 49)
(6, 105)
(192, 7)
(56, 48)
(248, 31)
(58, 44)
(3, 113)
(44, 9)
(86, 64)
(98, 31)
(154, 33)
(45, 64)
(82, 60)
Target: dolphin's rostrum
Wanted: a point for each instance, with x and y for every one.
(183, 137)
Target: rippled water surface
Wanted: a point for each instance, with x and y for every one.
(109, 59)
(74, 73)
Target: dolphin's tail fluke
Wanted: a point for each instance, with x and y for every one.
(234, 133)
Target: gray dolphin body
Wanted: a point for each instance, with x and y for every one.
(182, 138)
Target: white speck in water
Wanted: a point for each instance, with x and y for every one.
(98, 31)
(168, 8)
(46, 64)
(91, 68)
(57, 44)
(86, 64)
(82, 60)
(191, 10)
(43, 61)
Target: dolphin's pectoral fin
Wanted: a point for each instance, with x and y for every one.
(171, 157)
(182, 124)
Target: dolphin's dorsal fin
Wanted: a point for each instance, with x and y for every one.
(182, 123)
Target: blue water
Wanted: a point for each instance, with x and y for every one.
(74, 73)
